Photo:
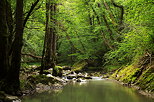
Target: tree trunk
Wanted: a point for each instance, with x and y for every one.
(10, 23)
(4, 58)
(49, 51)
(13, 76)
(43, 65)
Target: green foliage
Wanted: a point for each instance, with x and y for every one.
(30, 65)
(109, 68)
(34, 30)
(128, 74)
(79, 39)
(24, 65)
(138, 33)
(33, 37)
(146, 81)
(82, 32)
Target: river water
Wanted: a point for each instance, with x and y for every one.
(92, 91)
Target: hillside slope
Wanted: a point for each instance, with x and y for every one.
(140, 74)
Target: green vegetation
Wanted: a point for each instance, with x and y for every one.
(84, 34)
(137, 75)
(79, 65)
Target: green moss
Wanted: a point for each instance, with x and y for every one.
(58, 68)
(146, 80)
(57, 71)
(132, 74)
(79, 65)
(114, 75)
(127, 74)
(111, 67)
(35, 79)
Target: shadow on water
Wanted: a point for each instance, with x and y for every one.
(92, 91)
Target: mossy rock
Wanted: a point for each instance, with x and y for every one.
(79, 65)
(35, 79)
(57, 71)
(47, 72)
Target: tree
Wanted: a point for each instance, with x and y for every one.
(49, 51)
(137, 35)
(11, 45)
(13, 74)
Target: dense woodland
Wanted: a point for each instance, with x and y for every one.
(106, 34)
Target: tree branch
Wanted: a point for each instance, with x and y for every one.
(30, 11)
(122, 11)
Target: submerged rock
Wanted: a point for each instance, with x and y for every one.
(42, 87)
(80, 80)
(8, 98)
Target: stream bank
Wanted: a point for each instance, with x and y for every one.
(138, 75)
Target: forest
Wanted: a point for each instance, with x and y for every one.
(110, 38)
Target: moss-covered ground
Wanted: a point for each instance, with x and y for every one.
(138, 75)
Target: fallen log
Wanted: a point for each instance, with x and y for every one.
(33, 56)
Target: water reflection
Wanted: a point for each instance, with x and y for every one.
(93, 91)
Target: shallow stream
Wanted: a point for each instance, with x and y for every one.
(91, 91)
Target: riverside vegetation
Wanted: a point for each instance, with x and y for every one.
(109, 38)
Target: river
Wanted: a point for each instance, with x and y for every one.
(92, 91)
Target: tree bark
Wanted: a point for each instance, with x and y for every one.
(49, 51)
(47, 30)
(10, 46)
(10, 23)
(13, 75)
(4, 58)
